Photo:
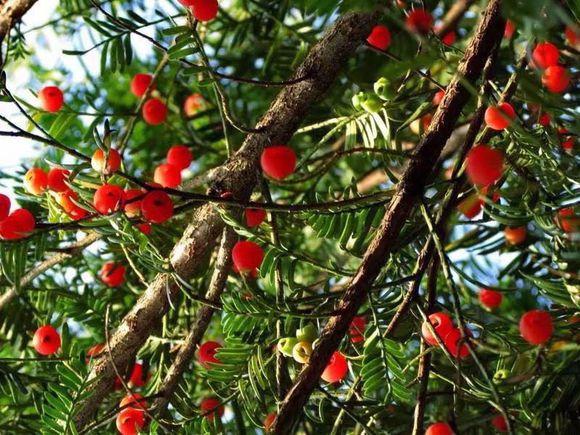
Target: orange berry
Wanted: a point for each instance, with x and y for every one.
(35, 181)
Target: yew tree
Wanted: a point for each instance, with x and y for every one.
(308, 216)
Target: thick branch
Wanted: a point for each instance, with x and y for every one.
(42, 267)
(238, 176)
(410, 189)
(10, 12)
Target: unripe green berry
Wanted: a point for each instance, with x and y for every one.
(285, 345)
(307, 333)
(372, 103)
(383, 89)
(357, 100)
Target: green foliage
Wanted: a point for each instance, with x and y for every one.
(318, 230)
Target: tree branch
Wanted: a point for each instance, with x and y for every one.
(238, 176)
(410, 189)
(10, 12)
(42, 267)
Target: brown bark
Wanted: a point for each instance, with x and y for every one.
(238, 176)
(10, 12)
(409, 190)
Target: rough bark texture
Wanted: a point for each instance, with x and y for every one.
(409, 190)
(238, 176)
(10, 12)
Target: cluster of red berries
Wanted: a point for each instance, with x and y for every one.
(154, 110)
(202, 10)
(16, 225)
(179, 158)
(555, 77)
(447, 333)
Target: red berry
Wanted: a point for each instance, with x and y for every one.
(569, 144)
(556, 79)
(167, 175)
(112, 274)
(4, 206)
(278, 161)
(130, 421)
(154, 111)
(204, 10)
(254, 216)
(157, 206)
(140, 83)
(442, 325)
(419, 21)
(356, 330)
(484, 165)
(138, 376)
(500, 117)
(545, 54)
(57, 179)
(269, 421)
(490, 298)
(144, 228)
(192, 104)
(336, 369)
(206, 353)
(572, 35)
(536, 326)
(51, 98)
(515, 235)
(136, 400)
(247, 256)
(449, 38)
(438, 97)
(499, 423)
(108, 164)
(569, 220)
(35, 181)
(439, 428)
(187, 2)
(108, 198)
(67, 200)
(380, 37)
(179, 156)
(510, 29)
(46, 340)
(19, 224)
(471, 206)
(544, 119)
(211, 406)
(455, 343)
(133, 199)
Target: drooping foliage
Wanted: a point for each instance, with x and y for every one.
(352, 149)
